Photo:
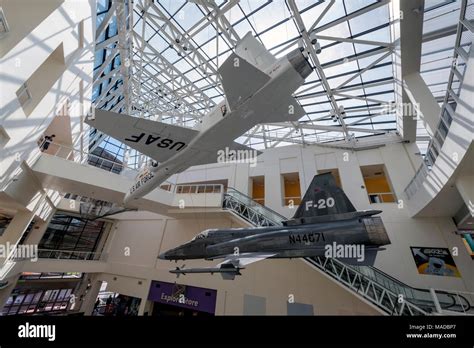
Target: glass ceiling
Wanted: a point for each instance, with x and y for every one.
(170, 72)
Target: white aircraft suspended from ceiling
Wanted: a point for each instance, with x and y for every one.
(258, 89)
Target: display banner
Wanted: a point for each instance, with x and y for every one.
(468, 242)
(185, 296)
(435, 261)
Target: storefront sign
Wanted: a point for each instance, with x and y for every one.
(190, 297)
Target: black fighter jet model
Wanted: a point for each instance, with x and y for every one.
(325, 224)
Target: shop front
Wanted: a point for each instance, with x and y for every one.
(171, 299)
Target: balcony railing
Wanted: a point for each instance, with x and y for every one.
(448, 109)
(82, 157)
(70, 255)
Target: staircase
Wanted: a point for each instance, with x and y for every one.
(387, 293)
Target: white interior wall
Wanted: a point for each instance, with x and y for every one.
(27, 50)
(403, 230)
(275, 279)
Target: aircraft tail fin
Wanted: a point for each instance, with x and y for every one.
(324, 197)
(242, 73)
(254, 52)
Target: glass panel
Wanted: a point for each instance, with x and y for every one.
(23, 309)
(13, 310)
(28, 298)
(37, 297)
(47, 295)
(19, 299)
(447, 117)
(443, 129)
(9, 301)
(54, 294)
(31, 309)
(75, 234)
(68, 293)
(62, 295)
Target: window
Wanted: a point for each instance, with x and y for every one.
(50, 275)
(166, 187)
(104, 159)
(70, 233)
(31, 301)
(257, 184)
(377, 184)
(291, 189)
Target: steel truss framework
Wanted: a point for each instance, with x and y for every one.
(159, 59)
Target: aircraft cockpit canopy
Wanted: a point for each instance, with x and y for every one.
(201, 235)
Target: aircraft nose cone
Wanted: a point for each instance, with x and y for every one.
(162, 256)
(127, 199)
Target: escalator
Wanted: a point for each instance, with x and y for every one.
(389, 294)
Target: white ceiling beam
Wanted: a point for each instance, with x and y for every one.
(106, 21)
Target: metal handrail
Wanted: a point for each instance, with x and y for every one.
(257, 207)
(60, 254)
(378, 294)
(174, 188)
(82, 157)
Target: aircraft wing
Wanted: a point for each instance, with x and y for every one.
(240, 80)
(151, 138)
(242, 260)
(142, 134)
(289, 111)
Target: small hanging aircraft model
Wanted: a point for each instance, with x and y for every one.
(258, 89)
(325, 224)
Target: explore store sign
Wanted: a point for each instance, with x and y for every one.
(191, 297)
(181, 298)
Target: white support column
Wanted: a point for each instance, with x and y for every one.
(407, 34)
(89, 295)
(38, 231)
(143, 305)
(423, 101)
(147, 308)
(241, 177)
(273, 185)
